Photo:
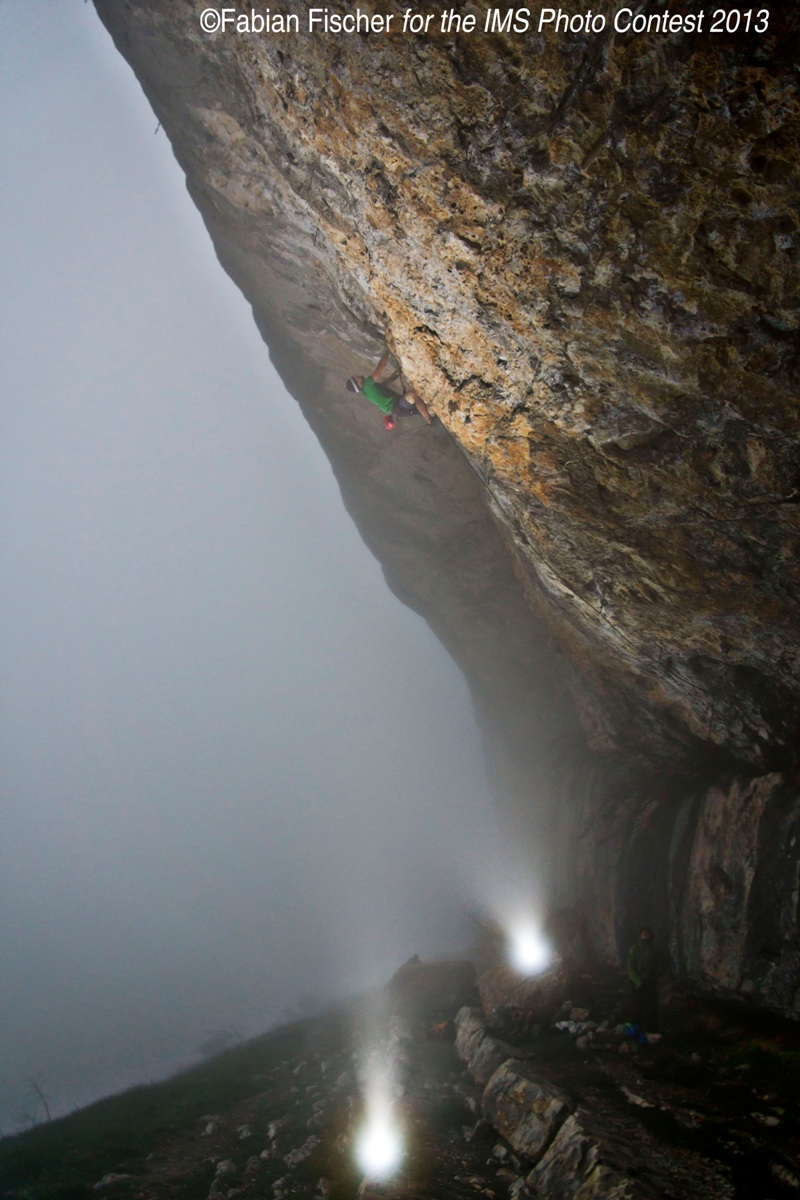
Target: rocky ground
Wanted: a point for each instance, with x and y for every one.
(523, 1111)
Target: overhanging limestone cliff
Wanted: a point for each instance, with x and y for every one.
(583, 250)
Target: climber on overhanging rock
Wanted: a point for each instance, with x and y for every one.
(390, 404)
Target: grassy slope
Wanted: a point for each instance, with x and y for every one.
(62, 1159)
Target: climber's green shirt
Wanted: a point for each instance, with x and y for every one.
(641, 962)
(379, 395)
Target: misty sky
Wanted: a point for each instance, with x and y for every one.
(207, 809)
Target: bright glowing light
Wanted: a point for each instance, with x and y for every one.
(530, 953)
(379, 1147)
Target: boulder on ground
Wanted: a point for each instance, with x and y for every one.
(538, 996)
(107, 1181)
(490, 1055)
(526, 1110)
(301, 1153)
(587, 1161)
(470, 1031)
(475, 1046)
(427, 989)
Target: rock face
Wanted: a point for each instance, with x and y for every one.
(475, 1046)
(586, 1161)
(719, 867)
(525, 1109)
(583, 250)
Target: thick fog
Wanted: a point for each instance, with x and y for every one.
(211, 808)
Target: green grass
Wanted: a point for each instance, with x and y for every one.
(62, 1159)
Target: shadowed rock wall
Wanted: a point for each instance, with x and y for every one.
(584, 252)
(714, 871)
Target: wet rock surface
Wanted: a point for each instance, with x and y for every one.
(584, 250)
(584, 253)
(723, 861)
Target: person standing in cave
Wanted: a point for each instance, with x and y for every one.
(391, 405)
(643, 974)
